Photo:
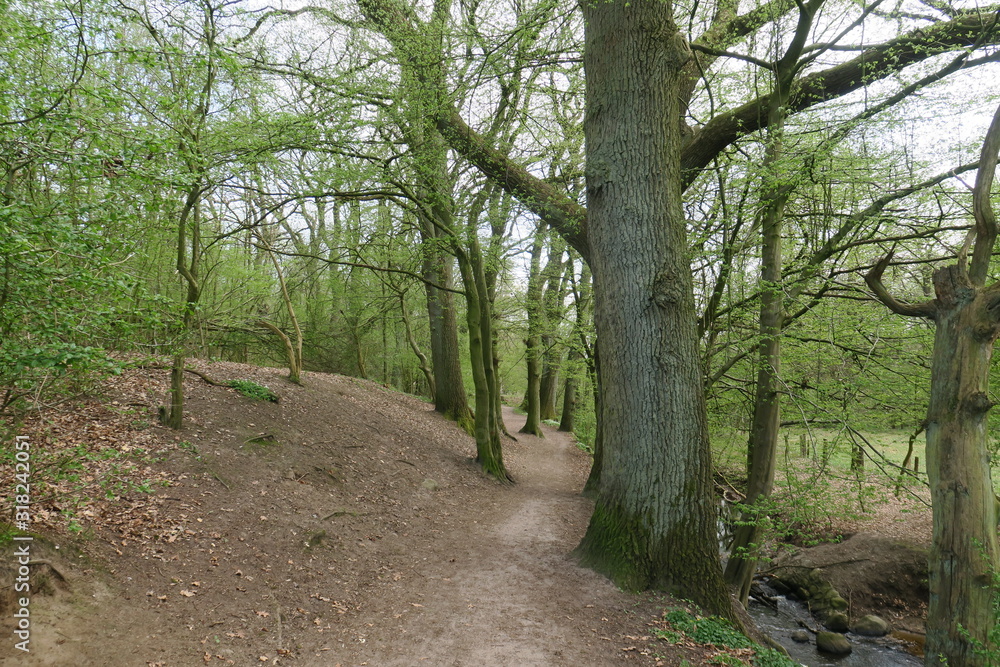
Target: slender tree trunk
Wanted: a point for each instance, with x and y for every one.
(489, 452)
(533, 343)
(654, 520)
(578, 348)
(422, 83)
(548, 383)
(450, 398)
(498, 206)
(174, 416)
(425, 366)
(763, 444)
(552, 304)
(293, 349)
(293, 364)
(569, 391)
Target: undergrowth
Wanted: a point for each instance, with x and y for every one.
(680, 626)
(253, 390)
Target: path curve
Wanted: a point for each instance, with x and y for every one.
(511, 594)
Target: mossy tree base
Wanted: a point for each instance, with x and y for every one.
(627, 549)
(464, 418)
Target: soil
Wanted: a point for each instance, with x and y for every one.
(346, 524)
(875, 574)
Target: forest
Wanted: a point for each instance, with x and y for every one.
(733, 248)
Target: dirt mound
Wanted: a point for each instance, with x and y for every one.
(876, 575)
(345, 524)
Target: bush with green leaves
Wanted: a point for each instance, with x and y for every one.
(63, 303)
(706, 629)
(253, 390)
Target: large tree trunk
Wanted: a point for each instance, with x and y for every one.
(964, 545)
(654, 521)
(964, 553)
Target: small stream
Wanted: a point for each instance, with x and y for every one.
(868, 651)
(781, 623)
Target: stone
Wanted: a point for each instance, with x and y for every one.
(430, 485)
(833, 643)
(871, 626)
(800, 636)
(837, 622)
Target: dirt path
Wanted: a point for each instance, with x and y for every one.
(510, 594)
(344, 525)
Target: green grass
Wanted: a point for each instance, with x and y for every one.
(823, 444)
(816, 493)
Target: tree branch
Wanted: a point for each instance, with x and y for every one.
(967, 30)
(873, 278)
(982, 208)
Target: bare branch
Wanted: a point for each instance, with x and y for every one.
(873, 278)
(982, 208)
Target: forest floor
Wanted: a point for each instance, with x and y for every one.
(346, 524)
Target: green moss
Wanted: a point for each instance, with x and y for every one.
(612, 547)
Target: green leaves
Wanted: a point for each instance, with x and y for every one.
(251, 389)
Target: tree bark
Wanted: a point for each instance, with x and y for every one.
(763, 444)
(450, 398)
(964, 543)
(965, 556)
(654, 520)
(293, 349)
(489, 452)
(578, 348)
(425, 366)
(533, 343)
(566, 421)
(553, 297)
(435, 186)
